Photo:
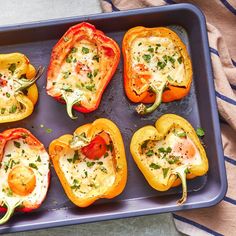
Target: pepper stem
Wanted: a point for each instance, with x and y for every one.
(181, 172)
(11, 205)
(26, 83)
(158, 90)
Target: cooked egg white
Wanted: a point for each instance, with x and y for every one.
(18, 153)
(163, 156)
(161, 59)
(80, 74)
(87, 178)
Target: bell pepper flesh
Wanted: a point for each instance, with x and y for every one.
(83, 136)
(18, 91)
(17, 191)
(81, 66)
(169, 153)
(157, 67)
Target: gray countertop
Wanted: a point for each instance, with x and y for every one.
(16, 12)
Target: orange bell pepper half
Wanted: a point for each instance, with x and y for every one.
(24, 171)
(81, 66)
(91, 163)
(157, 67)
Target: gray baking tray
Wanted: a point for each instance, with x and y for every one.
(199, 107)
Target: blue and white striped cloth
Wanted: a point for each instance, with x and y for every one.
(221, 18)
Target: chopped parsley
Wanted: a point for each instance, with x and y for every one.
(171, 59)
(200, 132)
(161, 65)
(90, 75)
(165, 171)
(73, 50)
(75, 157)
(85, 50)
(150, 49)
(33, 165)
(75, 185)
(96, 58)
(140, 44)
(16, 144)
(146, 57)
(48, 131)
(144, 144)
(8, 94)
(90, 87)
(38, 159)
(95, 73)
(172, 159)
(13, 109)
(12, 68)
(66, 74)
(163, 150)
(181, 135)
(149, 153)
(90, 164)
(180, 59)
(106, 154)
(100, 163)
(3, 110)
(103, 169)
(154, 166)
(169, 77)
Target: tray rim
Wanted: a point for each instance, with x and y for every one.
(212, 101)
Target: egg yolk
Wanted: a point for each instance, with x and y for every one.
(185, 148)
(22, 180)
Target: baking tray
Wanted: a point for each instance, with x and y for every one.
(199, 107)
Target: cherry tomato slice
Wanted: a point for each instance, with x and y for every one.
(96, 149)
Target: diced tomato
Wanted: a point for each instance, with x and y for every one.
(96, 149)
(80, 67)
(3, 82)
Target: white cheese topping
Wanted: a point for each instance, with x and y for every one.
(87, 178)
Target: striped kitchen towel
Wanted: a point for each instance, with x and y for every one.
(221, 18)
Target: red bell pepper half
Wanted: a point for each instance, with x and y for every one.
(24, 172)
(82, 63)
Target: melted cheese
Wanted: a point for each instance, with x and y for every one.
(24, 155)
(87, 178)
(80, 74)
(161, 60)
(156, 160)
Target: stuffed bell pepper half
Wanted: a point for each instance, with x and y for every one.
(91, 163)
(81, 66)
(18, 91)
(24, 172)
(169, 153)
(157, 67)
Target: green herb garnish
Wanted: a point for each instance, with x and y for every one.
(16, 144)
(12, 68)
(33, 165)
(154, 166)
(200, 132)
(85, 50)
(165, 171)
(90, 164)
(149, 153)
(146, 57)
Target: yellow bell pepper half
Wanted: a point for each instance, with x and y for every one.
(91, 163)
(169, 153)
(18, 91)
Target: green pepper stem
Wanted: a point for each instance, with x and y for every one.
(181, 172)
(142, 109)
(11, 205)
(26, 83)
